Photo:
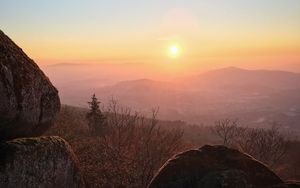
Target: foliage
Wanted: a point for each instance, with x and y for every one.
(95, 117)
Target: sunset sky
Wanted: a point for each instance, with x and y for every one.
(142, 31)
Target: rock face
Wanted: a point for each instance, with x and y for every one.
(38, 162)
(293, 184)
(28, 106)
(215, 167)
(28, 100)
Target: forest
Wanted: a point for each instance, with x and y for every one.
(118, 146)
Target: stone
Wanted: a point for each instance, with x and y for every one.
(215, 167)
(28, 100)
(293, 184)
(39, 162)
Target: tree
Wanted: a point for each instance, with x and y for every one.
(135, 146)
(96, 120)
(226, 130)
(266, 145)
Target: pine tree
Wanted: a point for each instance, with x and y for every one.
(95, 117)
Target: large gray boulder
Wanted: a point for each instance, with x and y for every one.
(39, 162)
(215, 167)
(28, 100)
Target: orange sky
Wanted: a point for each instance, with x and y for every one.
(214, 32)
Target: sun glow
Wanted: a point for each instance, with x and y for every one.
(174, 51)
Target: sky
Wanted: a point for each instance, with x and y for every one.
(141, 31)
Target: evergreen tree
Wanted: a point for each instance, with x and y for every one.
(95, 117)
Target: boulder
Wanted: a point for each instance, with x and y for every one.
(39, 162)
(28, 100)
(293, 184)
(215, 167)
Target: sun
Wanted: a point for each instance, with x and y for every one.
(174, 51)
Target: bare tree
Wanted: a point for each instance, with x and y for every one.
(226, 130)
(266, 145)
(135, 147)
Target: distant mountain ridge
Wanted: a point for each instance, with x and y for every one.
(254, 96)
(223, 92)
(238, 76)
(229, 76)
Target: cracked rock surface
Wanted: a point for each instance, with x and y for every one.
(39, 162)
(28, 100)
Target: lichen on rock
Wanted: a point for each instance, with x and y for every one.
(39, 162)
(28, 100)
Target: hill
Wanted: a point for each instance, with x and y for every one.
(253, 96)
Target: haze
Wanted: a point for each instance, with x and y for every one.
(162, 53)
(150, 93)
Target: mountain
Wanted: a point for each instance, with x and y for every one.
(233, 76)
(253, 96)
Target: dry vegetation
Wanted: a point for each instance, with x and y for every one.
(134, 147)
(266, 145)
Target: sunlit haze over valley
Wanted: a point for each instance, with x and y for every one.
(178, 50)
(131, 83)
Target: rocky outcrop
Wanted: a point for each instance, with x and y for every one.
(28, 100)
(215, 167)
(293, 184)
(38, 162)
(28, 106)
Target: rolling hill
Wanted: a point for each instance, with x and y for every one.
(254, 96)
